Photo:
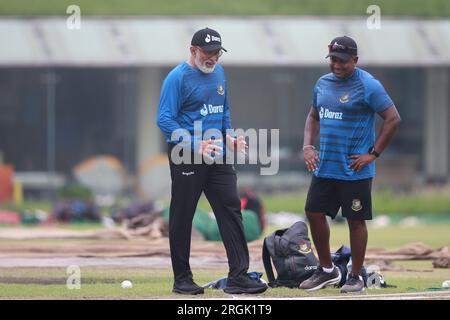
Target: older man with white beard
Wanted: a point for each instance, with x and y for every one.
(196, 91)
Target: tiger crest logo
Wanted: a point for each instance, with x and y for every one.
(344, 98)
(220, 90)
(356, 205)
(304, 248)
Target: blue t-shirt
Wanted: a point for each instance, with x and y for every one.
(189, 95)
(347, 110)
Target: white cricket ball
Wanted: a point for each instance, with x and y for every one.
(446, 284)
(126, 284)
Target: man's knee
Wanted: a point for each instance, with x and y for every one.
(356, 224)
(231, 201)
(315, 216)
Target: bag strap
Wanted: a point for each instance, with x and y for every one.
(268, 265)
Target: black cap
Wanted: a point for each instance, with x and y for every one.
(342, 47)
(207, 39)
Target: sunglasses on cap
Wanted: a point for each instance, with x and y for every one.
(336, 47)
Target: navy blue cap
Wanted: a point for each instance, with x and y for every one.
(207, 39)
(343, 48)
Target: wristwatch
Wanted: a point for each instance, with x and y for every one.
(373, 152)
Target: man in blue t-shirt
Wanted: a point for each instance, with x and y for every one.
(193, 102)
(343, 110)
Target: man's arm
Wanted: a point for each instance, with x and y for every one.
(233, 142)
(226, 122)
(391, 122)
(312, 127)
(169, 105)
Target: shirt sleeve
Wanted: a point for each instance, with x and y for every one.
(226, 123)
(376, 96)
(314, 97)
(170, 104)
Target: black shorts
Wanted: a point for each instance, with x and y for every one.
(354, 197)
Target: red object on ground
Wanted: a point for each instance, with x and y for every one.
(9, 217)
(251, 201)
(6, 182)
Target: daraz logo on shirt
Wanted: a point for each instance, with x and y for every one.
(204, 110)
(327, 114)
(210, 109)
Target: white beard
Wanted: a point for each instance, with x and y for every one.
(202, 67)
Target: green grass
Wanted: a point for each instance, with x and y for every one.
(432, 235)
(429, 8)
(415, 203)
(30, 205)
(156, 283)
(383, 202)
(104, 283)
(421, 203)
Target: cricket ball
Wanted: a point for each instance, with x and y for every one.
(126, 284)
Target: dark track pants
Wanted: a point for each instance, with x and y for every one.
(219, 183)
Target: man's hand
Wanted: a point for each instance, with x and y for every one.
(238, 144)
(207, 147)
(360, 161)
(311, 157)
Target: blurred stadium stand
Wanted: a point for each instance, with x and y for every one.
(71, 94)
(161, 42)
